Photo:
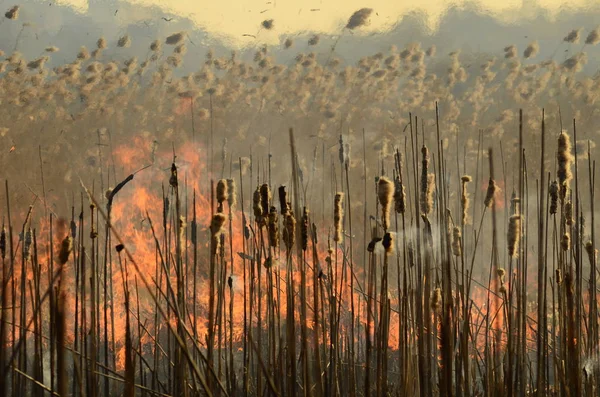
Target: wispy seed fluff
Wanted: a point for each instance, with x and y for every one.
(553, 191)
(338, 216)
(565, 241)
(385, 193)
(491, 193)
(464, 199)
(399, 196)
(231, 193)
(514, 235)
(456, 241)
(273, 226)
(565, 160)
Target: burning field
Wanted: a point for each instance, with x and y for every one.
(414, 223)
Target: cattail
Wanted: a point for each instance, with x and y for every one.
(501, 273)
(175, 38)
(27, 244)
(569, 213)
(559, 278)
(385, 193)
(155, 46)
(565, 242)
(101, 43)
(464, 199)
(173, 179)
(593, 37)
(388, 242)
(65, 249)
(231, 193)
(338, 216)
(514, 203)
(222, 193)
(216, 229)
(13, 13)
(456, 241)
(553, 191)
(268, 24)
(343, 155)
(427, 183)
(289, 230)
(265, 199)
(514, 235)
(124, 42)
(283, 204)
(573, 36)
(591, 252)
(436, 299)
(359, 18)
(491, 193)
(532, 50)
(273, 227)
(304, 229)
(399, 196)
(257, 206)
(565, 160)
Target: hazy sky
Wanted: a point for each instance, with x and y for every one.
(232, 18)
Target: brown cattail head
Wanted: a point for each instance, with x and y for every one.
(591, 252)
(12, 13)
(436, 299)
(424, 177)
(289, 230)
(173, 179)
(399, 196)
(265, 199)
(231, 193)
(565, 160)
(257, 206)
(559, 277)
(553, 191)
(65, 249)
(27, 244)
(569, 213)
(514, 235)
(385, 193)
(491, 193)
(359, 18)
(338, 217)
(216, 225)
(273, 226)
(283, 204)
(221, 192)
(565, 242)
(388, 242)
(304, 229)
(464, 198)
(456, 241)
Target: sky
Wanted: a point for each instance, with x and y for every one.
(234, 19)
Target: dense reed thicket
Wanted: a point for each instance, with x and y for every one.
(143, 254)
